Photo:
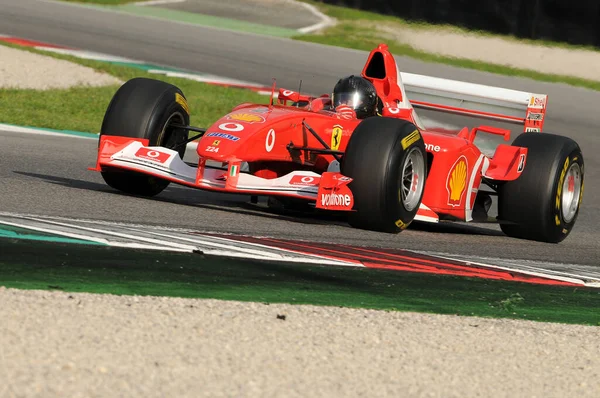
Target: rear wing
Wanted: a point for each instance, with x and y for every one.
(476, 100)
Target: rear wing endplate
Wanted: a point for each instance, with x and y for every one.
(476, 100)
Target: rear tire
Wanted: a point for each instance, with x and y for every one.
(145, 108)
(386, 159)
(543, 203)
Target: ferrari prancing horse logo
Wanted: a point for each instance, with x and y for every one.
(336, 137)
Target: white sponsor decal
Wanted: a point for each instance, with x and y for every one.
(537, 101)
(332, 199)
(287, 93)
(531, 129)
(231, 126)
(270, 141)
(521, 163)
(535, 116)
(394, 111)
(431, 147)
(223, 135)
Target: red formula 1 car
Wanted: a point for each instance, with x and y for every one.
(385, 171)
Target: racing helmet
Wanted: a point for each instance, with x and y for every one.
(358, 93)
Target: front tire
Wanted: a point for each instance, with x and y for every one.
(386, 159)
(543, 203)
(145, 108)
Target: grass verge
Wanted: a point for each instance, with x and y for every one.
(82, 108)
(355, 30)
(103, 2)
(96, 269)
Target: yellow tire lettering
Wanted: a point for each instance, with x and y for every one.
(401, 224)
(561, 180)
(410, 139)
(183, 102)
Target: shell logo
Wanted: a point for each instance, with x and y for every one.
(246, 117)
(457, 181)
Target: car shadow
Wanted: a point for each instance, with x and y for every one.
(185, 196)
(241, 204)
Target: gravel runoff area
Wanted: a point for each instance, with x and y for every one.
(580, 63)
(26, 70)
(84, 345)
(61, 344)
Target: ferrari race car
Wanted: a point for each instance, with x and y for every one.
(385, 171)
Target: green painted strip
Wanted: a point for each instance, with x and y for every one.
(95, 269)
(12, 232)
(146, 67)
(206, 20)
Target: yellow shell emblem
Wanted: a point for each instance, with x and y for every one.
(457, 182)
(247, 117)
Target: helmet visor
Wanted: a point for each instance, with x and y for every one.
(352, 99)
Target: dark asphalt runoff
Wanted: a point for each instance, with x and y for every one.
(47, 175)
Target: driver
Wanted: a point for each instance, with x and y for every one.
(356, 94)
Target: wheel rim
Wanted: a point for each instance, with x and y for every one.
(168, 136)
(412, 179)
(571, 190)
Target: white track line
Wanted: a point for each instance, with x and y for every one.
(157, 2)
(171, 245)
(206, 246)
(33, 130)
(274, 253)
(326, 21)
(84, 54)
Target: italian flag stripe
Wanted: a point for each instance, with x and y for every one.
(233, 170)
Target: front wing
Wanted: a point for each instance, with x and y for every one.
(329, 190)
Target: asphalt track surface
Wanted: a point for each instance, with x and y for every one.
(47, 175)
(269, 12)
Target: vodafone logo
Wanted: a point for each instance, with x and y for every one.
(270, 140)
(287, 93)
(151, 154)
(394, 111)
(231, 126)
(304, 180)
(332, 199)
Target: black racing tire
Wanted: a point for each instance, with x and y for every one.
(144, 108)
(378, 152)
(531, 207)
